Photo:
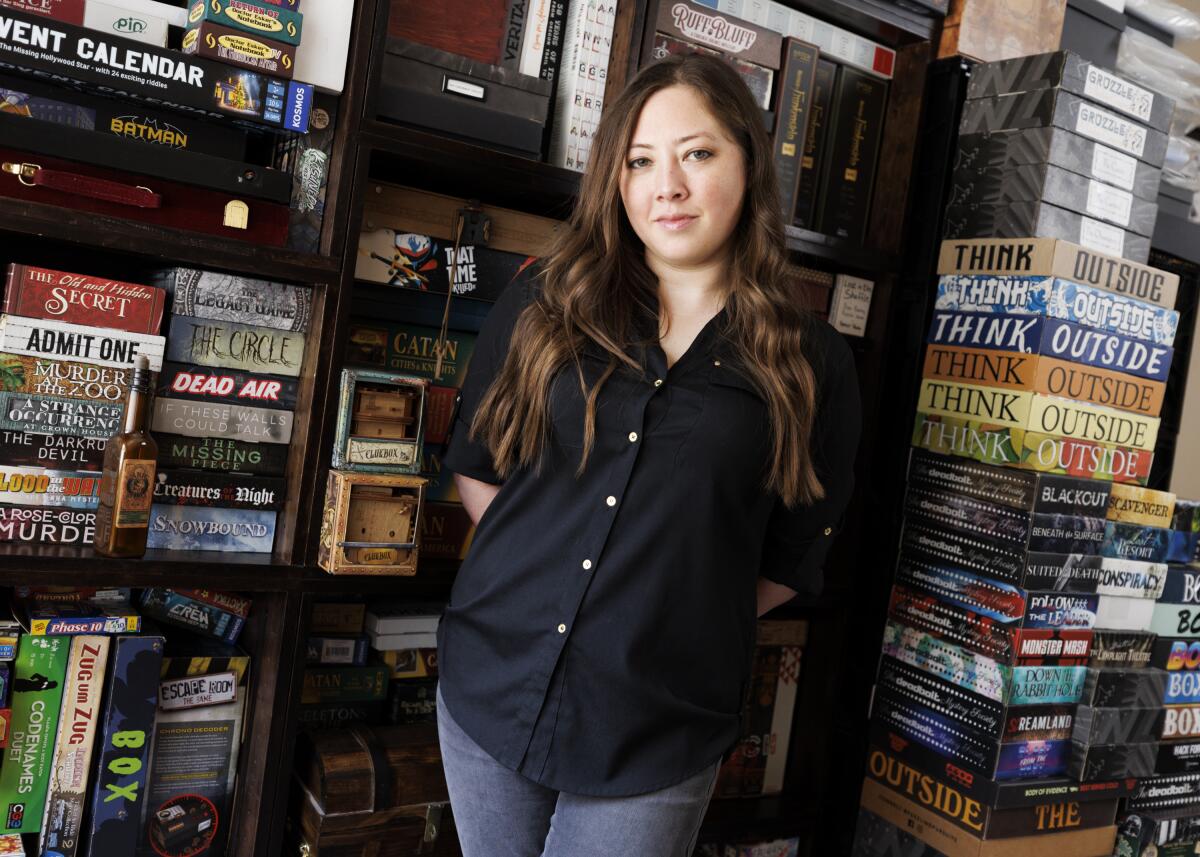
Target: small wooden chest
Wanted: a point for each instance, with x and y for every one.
(371, 791)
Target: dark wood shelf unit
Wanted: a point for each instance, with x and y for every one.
(164, 246)
(432, 580)
(429, 161)
(846, 254)
(59, 565)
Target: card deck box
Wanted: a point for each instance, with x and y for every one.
(71, 11)
(371, 523)
(436, 89)
(1116, 725)
(100, 345)
(1168, 833)
(220, 454)
(1143, 506)
(945, 797)
(1016, 219)
(42, 525)
(948, 839)
(1090, 762)
(380, 420)
(1029, 450)
(1052, 337)
(203, 528)
(36, 177)
(1178, 757)
(410, 349)
(1052, 257)
(82, 299)
(855, 137)
(412, 701)
(1180, 621)
(258, 17)
(1054, 185)
(52, 415)
(366, 683)
(322, 650)
(337, 810)
(239, 48)
(732, 37)
(230, 297)
(238, 422)
(1056, 297)
(211, 614)
(226, 386)
(986, 758)
(335, 617)
(72, 769)
(1062, 109)
(38, 675)
(1072, 73)
(162, 77)
(1007, 150)
(139, 26)
(231, 345)
(226, 491)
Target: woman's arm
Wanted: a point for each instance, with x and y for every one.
(476, 495)
(772, 594)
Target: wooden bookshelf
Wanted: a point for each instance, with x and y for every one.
(285, 584)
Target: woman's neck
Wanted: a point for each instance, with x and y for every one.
(690, 292)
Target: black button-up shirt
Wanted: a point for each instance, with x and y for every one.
(600, 633)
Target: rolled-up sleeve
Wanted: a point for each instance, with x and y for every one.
(798, 540)
(467, 456)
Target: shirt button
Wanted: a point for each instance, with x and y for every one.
(716, 362)
(829, 531)
(612, 501)
(633, 437)
(562, 629)
(587, 564)
(658, 382)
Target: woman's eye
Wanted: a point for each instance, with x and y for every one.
(638, 163)
(700, 154)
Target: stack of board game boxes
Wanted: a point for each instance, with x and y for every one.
(1015, 698)
(121, 739)
(1057, 147)
(376, 665)
(68, 343)
(224, 409)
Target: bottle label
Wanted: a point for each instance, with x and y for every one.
(135, 493)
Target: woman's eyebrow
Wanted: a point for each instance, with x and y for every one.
(677, 141)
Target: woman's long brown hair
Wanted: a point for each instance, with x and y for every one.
(595, 286)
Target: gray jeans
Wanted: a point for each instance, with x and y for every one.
(500, 813)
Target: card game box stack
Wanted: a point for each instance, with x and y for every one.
(224, 409)
(1022, 693)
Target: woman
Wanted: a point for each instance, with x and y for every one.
(657, 445)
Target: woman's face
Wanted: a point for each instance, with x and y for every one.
(683, 181)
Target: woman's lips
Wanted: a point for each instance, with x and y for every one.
(674, 223)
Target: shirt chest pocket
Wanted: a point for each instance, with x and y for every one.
(734, 428)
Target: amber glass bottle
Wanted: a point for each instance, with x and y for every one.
(127, 487)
